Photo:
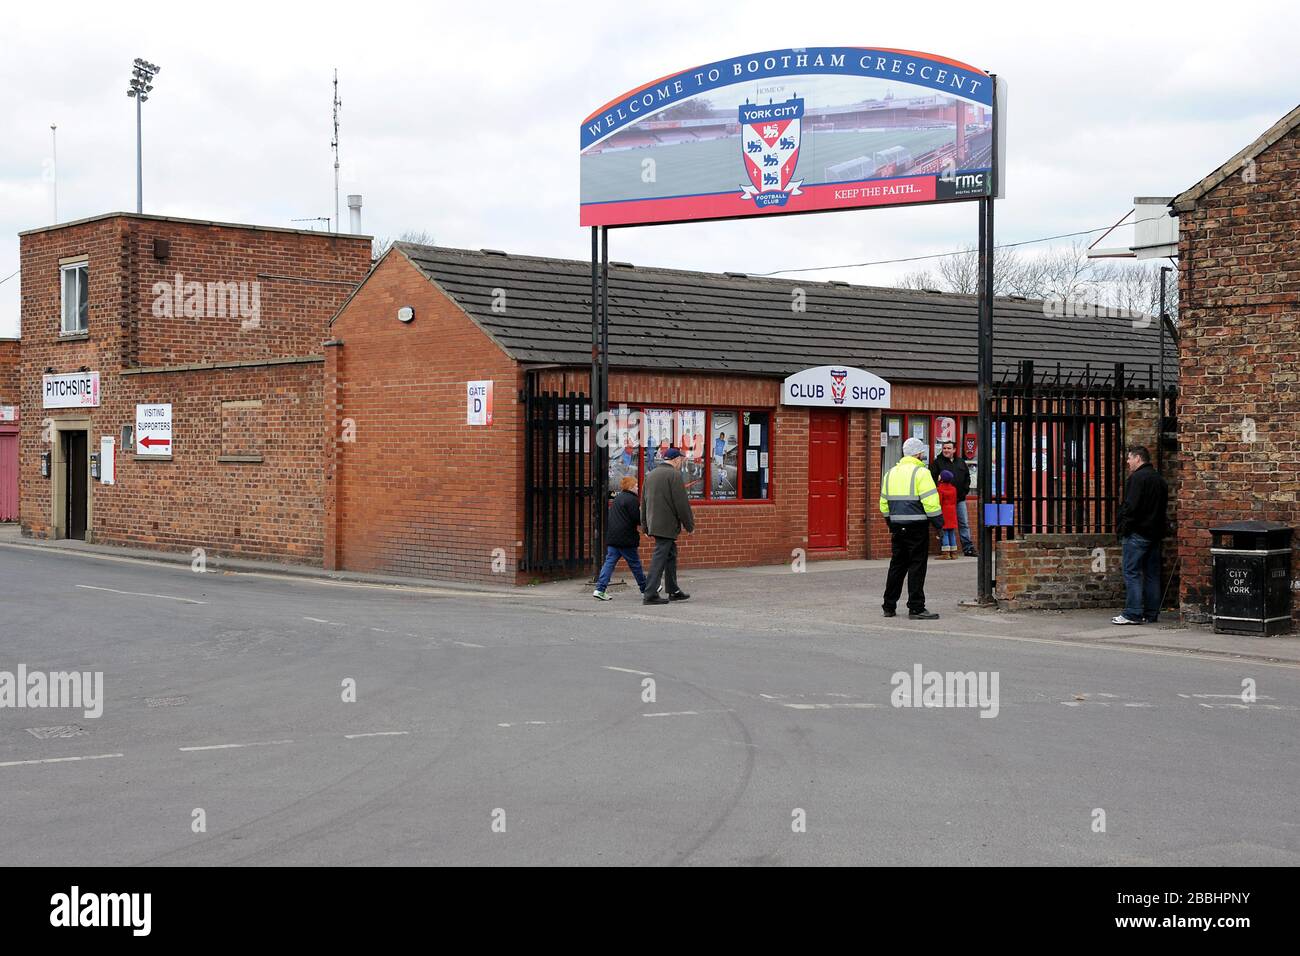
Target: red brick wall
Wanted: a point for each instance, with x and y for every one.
(420, 492)
(737, 534)
(1239, 254)
(269, 509)
(9, 358)
(1059, 571)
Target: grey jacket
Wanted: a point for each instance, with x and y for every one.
(665, 509)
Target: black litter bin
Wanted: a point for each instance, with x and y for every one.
(1250, 564)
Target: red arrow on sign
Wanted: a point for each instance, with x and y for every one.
(147, 441)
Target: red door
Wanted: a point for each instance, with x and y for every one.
(8, 473)
(827, 479)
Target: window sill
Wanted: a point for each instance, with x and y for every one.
(152, 457)
(241, 459)
(74, 336)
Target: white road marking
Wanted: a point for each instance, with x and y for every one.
(466, 644)
(627, 670)
(22, 763)
(675, 713)
(163, 597)
(258, 743)
(316, 620)
(381, 630)
(530, 723)
(1217, 696)
(377, 733)
(856, 705)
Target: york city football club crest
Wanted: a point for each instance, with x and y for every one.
(838, 387)
(769, 143)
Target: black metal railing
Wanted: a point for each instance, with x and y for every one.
(1058, 457)
(557, 481)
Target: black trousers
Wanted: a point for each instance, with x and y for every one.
(663, 564)
(909, 558)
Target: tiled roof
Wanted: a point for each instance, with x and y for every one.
(670, 319)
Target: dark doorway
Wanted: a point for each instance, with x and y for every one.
(74, 454)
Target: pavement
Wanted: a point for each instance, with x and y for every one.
(830, 594)
(256, 718)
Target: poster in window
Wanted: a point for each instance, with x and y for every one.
(658, 425)
(945, 429)
(624, 455)
(723, 449)
(691, 441)
(755, 483)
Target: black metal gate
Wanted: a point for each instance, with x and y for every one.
(557, 481)
(1058, 455)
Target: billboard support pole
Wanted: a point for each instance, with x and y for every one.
(593, 392)
(599, 404)
(985, 464)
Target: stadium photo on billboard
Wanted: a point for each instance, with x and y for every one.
(790, 131)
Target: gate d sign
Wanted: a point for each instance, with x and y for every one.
(478, 403)
(153, 431)
(835, 386)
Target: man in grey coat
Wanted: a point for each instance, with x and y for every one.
(665, 512)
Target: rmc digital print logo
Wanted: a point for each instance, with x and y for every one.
(75, 909)
(769, 144)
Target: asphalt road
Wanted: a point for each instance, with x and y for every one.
(224, 693)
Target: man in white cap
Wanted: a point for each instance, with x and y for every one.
(909, 502)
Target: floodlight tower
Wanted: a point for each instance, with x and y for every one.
(142, 76)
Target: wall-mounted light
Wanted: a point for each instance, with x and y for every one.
(49, 370)
(405, 314)
(84, 368)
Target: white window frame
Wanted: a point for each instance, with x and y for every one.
(81, 268)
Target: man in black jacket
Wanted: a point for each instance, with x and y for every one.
(622, 537)
(1141, 528)
(947, 460)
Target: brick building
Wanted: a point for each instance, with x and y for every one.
(704, 358)
(1239, 389)
(9, 413)
(219, 327)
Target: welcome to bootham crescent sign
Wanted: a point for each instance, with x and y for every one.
(792, 131)
(835, 386)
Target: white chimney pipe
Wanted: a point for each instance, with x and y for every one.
(354, 214)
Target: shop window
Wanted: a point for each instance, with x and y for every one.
(691, 441)
(624, 453)
(725, 452)
(893, 447)
(657, 424)
(755, 433)
(242, 431)
(75, 297)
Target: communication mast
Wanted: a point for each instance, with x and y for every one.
(335, 145)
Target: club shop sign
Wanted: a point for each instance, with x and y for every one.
(835, 386)
(70, 390)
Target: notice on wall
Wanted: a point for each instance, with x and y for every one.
(762, 459)
(70, 390)
(153, 431)
(884, 439)
(894, 427)
(107, 460)
(751, 460)
(8, 413)
(755, 434)
(478, 403)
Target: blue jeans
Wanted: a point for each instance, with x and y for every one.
(612, 554)
(963, 527)
(1141, 578)
(949, 539)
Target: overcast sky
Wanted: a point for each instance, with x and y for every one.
(462, 119)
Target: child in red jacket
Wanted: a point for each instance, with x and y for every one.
(948, 500)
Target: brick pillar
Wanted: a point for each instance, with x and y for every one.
(332, 399)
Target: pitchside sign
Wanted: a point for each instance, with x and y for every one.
(792, 131)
